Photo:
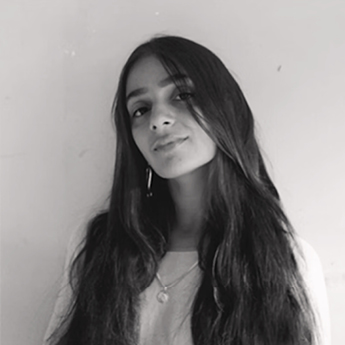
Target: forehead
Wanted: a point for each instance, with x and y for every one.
(147, 71)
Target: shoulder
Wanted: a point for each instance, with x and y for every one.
(65, 292)
(310, 267)
(307, 258)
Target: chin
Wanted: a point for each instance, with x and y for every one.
(171, 173)
(179, 170)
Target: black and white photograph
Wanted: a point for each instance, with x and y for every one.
(172, 172)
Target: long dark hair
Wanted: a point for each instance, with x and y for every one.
(251, 291)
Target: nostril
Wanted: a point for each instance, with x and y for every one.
(165, 123)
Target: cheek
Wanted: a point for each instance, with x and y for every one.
(209, 150)
(206, 145)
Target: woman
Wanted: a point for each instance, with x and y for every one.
(195, 247)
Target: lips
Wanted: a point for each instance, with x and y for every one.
(167, 143)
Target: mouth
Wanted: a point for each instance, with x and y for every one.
(168, 145)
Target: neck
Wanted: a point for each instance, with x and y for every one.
(187, 192)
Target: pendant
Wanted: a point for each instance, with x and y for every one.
(162, 297)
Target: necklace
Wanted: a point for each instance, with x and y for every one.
(162, 295)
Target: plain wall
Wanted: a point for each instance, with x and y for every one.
(59, 66)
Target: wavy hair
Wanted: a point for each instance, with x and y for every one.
(251, 291)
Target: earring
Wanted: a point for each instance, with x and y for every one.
(149, 182)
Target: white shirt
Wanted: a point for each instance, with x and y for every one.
(169, 323)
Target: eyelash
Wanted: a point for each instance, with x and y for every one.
(190, 95)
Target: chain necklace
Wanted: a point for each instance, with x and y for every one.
(162, 295)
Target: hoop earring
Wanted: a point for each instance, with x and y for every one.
(149, 193)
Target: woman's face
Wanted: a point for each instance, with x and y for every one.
(167, 135)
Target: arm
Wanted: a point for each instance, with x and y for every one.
(312, 273)
(65, 292)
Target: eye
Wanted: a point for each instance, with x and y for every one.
(183, 96)
(139, 112)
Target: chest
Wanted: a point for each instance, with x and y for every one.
(168, 320)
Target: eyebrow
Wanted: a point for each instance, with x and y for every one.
(166, 81)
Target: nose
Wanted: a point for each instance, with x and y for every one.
(161, 117)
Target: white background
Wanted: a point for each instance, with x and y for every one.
(60, 62)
